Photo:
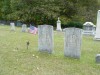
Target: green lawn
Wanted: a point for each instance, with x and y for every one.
(15, 59)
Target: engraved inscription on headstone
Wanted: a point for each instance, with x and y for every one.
(72, 43)
(45, 38)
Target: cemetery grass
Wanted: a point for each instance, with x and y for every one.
(15, 59)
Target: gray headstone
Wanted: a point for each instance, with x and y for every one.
(24, 28)
(45, 38)
(72, 43)
(98, 58)
(12, 26)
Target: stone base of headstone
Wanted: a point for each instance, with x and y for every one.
(58, 29)
(90, 33)
(45, 38)
(98, 58)
(72, 43)
(96, 39)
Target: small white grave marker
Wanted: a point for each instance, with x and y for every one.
(59, 25)
(88, 28)
(12, 26)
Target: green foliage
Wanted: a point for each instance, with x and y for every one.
(47, 11)
(74, 24)
(5, 9)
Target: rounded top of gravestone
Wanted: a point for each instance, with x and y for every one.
(99, 10)
(88, 24)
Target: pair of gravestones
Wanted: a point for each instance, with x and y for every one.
(72, 42)
(24, 27)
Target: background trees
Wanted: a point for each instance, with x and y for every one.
(47, 11)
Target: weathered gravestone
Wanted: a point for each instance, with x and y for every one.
(24, 27)
(72, 43)
(12, 26)
(45, 38)
(97, 35)
(98, 58)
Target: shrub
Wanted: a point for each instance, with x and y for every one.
(63, 25)
(74, 24)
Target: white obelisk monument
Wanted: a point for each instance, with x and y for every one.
(97, 35)
(59, 25)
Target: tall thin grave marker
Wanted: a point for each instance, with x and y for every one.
(97, 35)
